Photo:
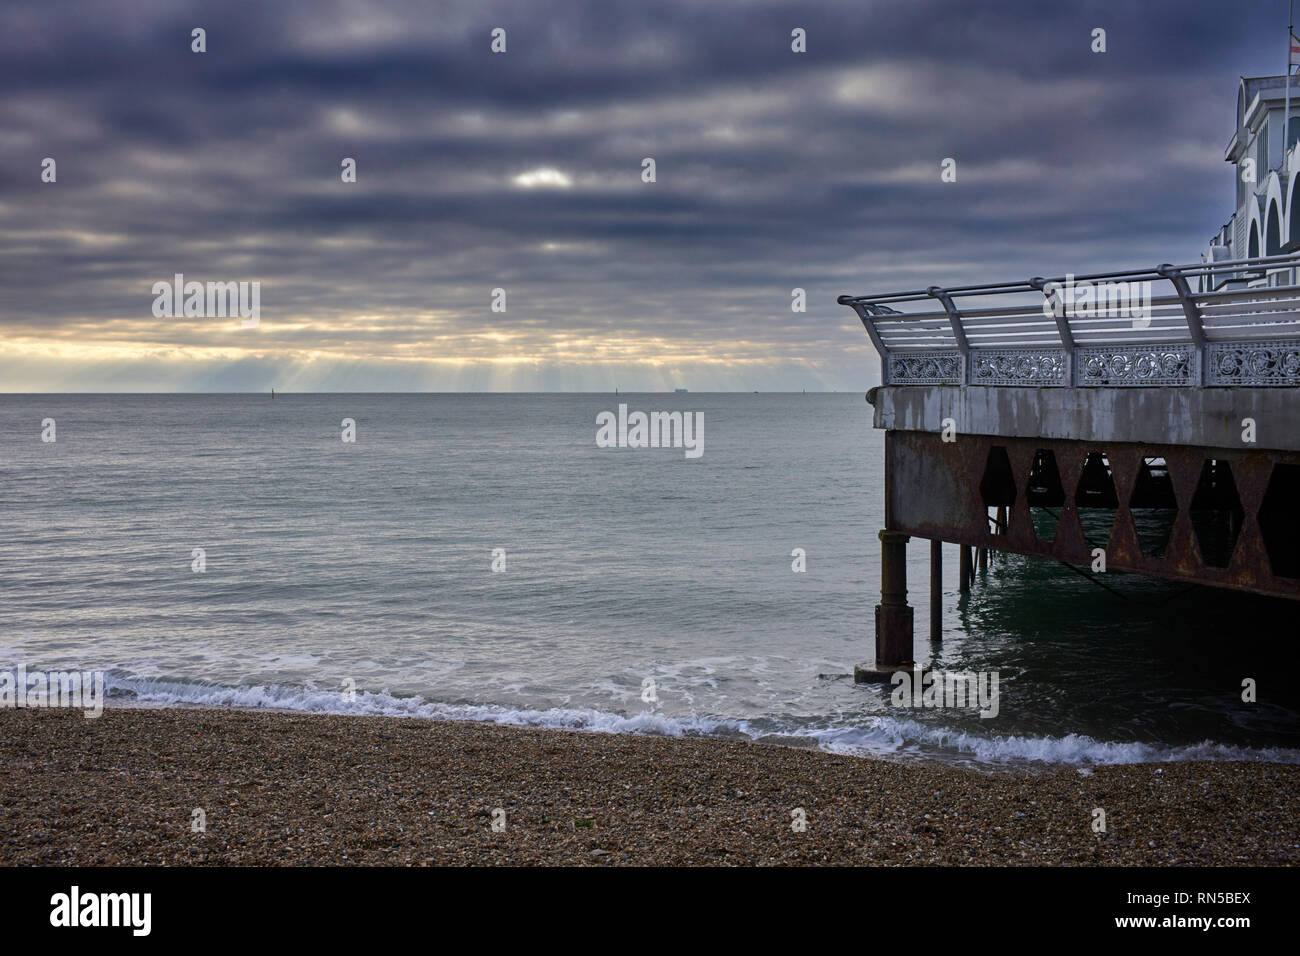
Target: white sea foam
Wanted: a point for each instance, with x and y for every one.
(891, 736)
(882, 736)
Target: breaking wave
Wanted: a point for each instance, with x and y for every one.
(874, 736)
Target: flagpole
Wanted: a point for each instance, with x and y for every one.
(1286, 115)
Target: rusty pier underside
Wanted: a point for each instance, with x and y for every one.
(1084, 420)
(1213, 508)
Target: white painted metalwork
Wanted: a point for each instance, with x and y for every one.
(1049, 333)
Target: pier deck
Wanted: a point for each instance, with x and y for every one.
(1087, 421)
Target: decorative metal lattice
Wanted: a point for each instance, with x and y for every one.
(1030, 367)
(925, 368)
(1254, 363)
(1260, 310)
(1138, 365)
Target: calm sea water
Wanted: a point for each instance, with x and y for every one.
(371, 562)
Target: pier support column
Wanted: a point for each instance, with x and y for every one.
(893, 615)
(964, 568)
(936, 590)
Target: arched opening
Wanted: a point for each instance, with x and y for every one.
(1253, 251)
(1273, 231)
(1293, 214)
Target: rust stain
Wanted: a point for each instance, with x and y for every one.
(955, 470)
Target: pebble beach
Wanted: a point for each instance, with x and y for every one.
(275, 788)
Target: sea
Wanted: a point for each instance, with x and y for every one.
(481, 557)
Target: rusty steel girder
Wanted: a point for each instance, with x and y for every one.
(933, 489)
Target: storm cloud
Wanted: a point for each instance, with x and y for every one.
(522, 171)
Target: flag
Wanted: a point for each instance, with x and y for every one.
(1295, 51)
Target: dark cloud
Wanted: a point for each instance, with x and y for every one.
(775, 170)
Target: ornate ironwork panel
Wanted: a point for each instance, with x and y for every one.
(925, 368)
(1026, 367)
(1122, 365)
(1254, 363)
(1014, 351)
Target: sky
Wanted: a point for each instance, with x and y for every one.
(522, 170)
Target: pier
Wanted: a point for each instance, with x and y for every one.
(1143, 421)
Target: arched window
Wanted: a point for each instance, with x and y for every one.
(1253, 253)
(1273, 231)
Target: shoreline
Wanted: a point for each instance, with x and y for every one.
(955, 757)
(288, 787)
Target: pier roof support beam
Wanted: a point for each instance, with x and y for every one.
(1191, 312)
(1062, 323)
(866, 316)
(954, 318)
(1062, 328)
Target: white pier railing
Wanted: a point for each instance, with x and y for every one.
(1098, 330)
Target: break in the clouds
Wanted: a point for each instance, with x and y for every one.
(523, 171)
